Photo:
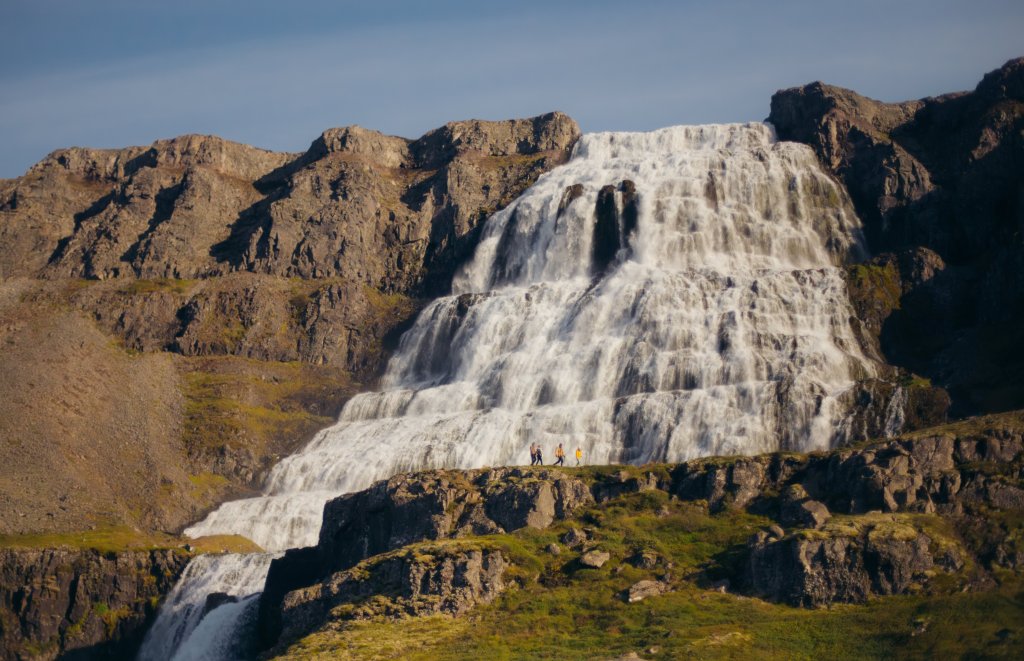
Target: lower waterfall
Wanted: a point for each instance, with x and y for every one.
(662, 296)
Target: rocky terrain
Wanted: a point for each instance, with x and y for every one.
(936, 513)
(81, 604)
(176, 317)
(90, 595)
(939, 185)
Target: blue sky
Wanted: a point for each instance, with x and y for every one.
(110, 73)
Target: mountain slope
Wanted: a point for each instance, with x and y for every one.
(176, 317)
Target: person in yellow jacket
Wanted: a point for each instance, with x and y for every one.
(559, 456)
(579, 455)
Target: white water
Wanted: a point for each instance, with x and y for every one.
(721, 328)
(175, 633)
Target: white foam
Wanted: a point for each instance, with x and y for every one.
(723, 328)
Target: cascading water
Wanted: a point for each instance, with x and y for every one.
(239, 576)
(662, 296)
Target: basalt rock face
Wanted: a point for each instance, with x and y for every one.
(881, 545)
(403, 584)
(845, 566)
(929, 474)
(939, 184)
(408, 509)
(80, 604)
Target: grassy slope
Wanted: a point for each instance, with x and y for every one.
(122, 538)
(557, 610)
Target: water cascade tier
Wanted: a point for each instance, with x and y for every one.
(661, 296)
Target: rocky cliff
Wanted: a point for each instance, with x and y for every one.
(931, 513)
(80, 604)
(939, 184)
(404, 510)
(176, 317)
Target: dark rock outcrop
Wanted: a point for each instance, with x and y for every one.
(411, 508)
(408, 583)
(878, 547)
(845, 565)
(927, 474)
(939, 184)
(617, 215)
(80, 604)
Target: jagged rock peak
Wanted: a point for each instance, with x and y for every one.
(200, 206)
(390, 151)
(187, 151)
(1007, 81)
(793, 110)
(554, 131)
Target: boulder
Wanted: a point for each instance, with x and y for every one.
(574, 537)
(523, 505)
(880, 556)
(595, 559)
(800, 510)
(645, 560)
(643, 589)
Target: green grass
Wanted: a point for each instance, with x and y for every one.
(874, 285)
(554, 609)
(230, 401)
(146, 286)
(975, 426)
(105, 539)
(115, 539)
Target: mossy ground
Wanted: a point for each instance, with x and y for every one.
(556, 609)
(238, 401)
(172, 285)
(875, 285)
(114, 539)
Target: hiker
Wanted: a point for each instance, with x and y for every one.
(533, 454)
(579, 455)
(559, 456)
(540, 457)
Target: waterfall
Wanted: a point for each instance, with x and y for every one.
(661, 296)
(181, 631)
